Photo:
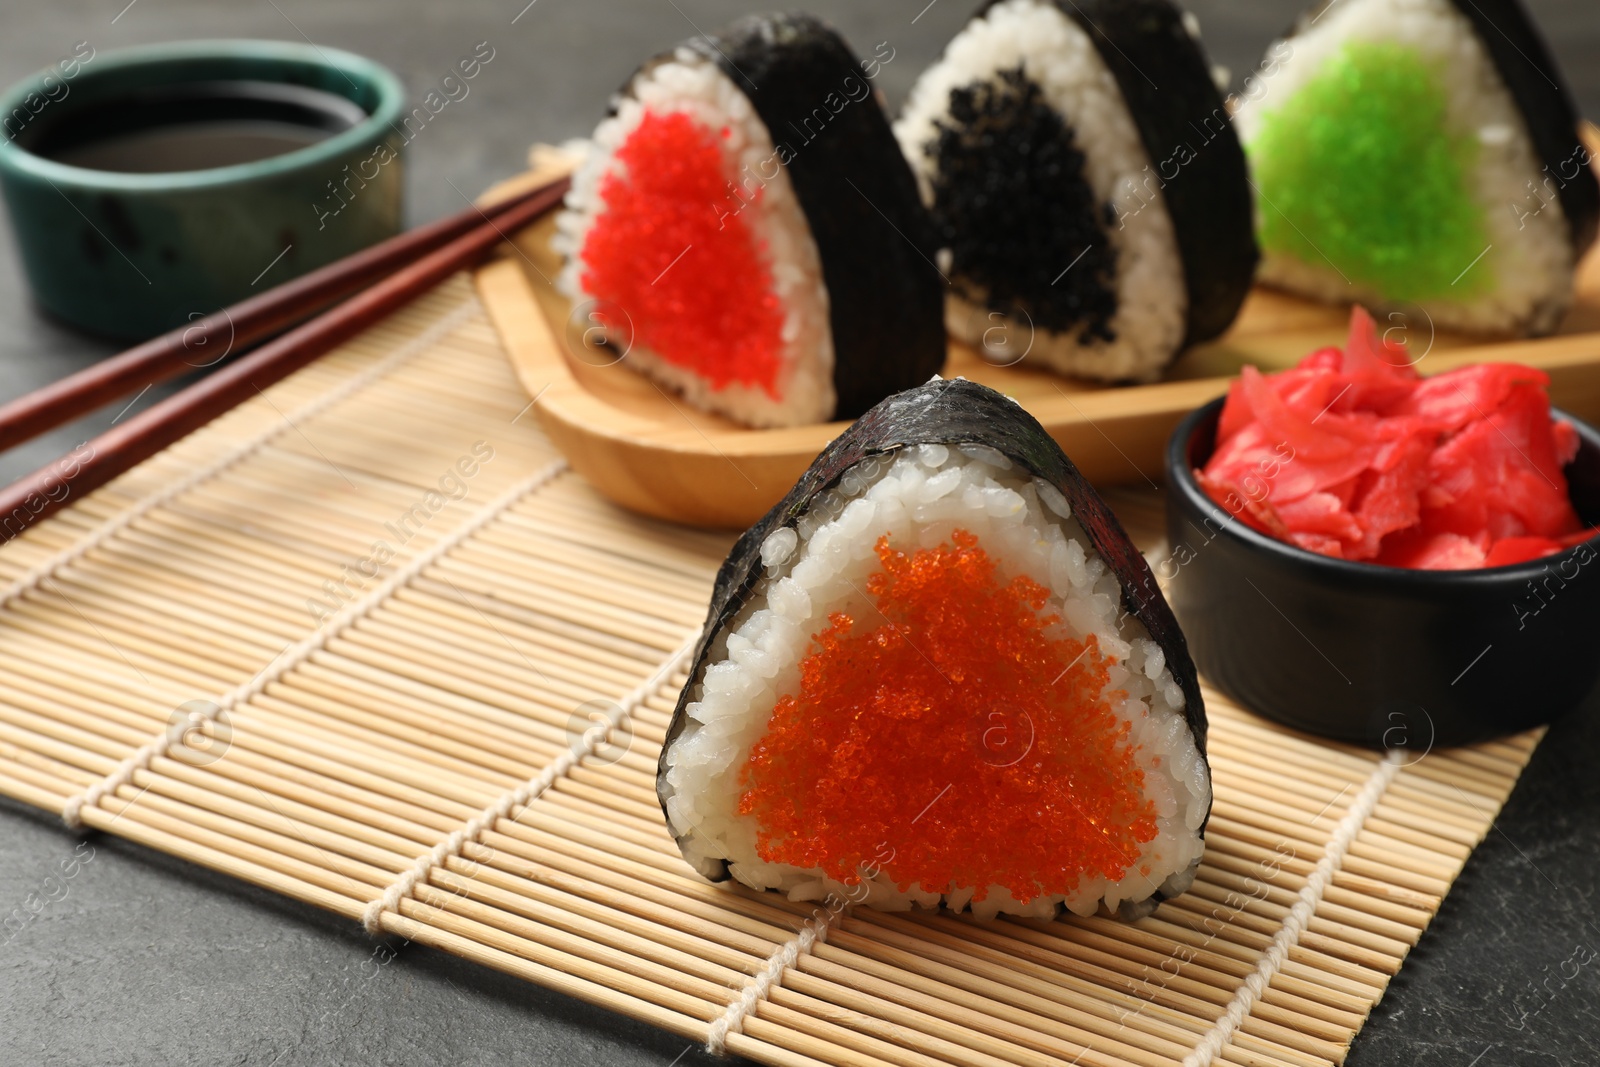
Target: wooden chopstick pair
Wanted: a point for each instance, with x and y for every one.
(371, 283)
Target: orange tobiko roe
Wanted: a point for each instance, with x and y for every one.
(952, 742)
(673, 250)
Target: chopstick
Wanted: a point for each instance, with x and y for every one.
(36, 496)
(235, 328)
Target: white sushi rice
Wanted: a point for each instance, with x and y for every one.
(919, 497)
(1528, 253)
(690, 84)
(1152, 301)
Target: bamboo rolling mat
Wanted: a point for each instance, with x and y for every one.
(366, 642)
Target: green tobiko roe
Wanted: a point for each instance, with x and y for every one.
(1361, 170)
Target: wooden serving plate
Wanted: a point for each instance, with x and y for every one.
(647, 449)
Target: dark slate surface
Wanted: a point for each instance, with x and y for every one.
(147, 960)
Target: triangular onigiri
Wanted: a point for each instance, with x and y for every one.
(1421, 153)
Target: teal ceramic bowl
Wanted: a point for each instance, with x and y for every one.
(152, 185)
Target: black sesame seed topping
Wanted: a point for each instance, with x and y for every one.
(1012, 204)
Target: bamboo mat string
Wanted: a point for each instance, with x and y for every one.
(287, 660)
(450, 320)
(1299, 917)
(406, 883)
(762, 982)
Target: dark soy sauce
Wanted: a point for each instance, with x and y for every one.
(193, 126)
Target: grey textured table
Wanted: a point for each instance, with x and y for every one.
(150, 961)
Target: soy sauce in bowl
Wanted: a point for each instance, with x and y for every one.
(193, 126)
(152, 185)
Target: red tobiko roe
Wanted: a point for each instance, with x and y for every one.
(691, 275)
(878, 716)
(1355, 455)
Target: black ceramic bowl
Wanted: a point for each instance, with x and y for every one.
(1380, 655)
